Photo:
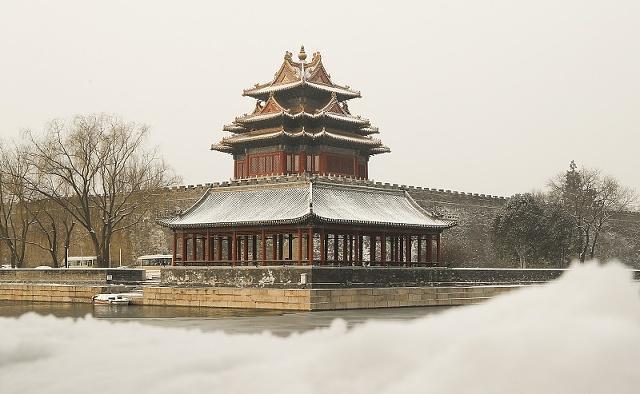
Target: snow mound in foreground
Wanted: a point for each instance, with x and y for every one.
(578, 334)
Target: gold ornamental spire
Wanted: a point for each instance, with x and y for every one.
(302, 55)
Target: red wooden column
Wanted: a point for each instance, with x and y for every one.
(345, 248)
(194, 249)
(302, 165)
(310, 245)
(323, 245)
(408, 248)
(175, 248)
(274, 244)
(420, 248)
(254, 247)
(205, 247)
(355, 167)
(336, 244)
(438, 249)
(283, 165)
(383, 249)
(429, 248)
(394, 249)
(351, 256)
(355, 251)
(245, 250)
(219, 245)
(212, 247)
(234, 248)
(299, 260)
(263, 247)
(373, 239)
(184, 247)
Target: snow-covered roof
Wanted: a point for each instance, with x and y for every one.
(292, 75)
(272, 204)
(273, 115)
(353, 138)
(264, 91)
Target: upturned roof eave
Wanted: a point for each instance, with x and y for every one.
(261, 92)
(359, 140)
(306, 218)
(363, 122)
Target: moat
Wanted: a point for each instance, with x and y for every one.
(247, 321)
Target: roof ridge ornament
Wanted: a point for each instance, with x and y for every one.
(302, 55)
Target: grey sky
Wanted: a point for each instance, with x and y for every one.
(480, 96)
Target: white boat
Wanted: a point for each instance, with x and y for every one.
(117, 299)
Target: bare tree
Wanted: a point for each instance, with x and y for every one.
(54, 227)
(591, 200)
(15, 216)
(97, 169)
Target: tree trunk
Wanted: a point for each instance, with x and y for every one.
(585, 246)
(592, 252)
(102, 259)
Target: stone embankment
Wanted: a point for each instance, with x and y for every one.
(65, 285)
(81, 294)
(73, 276)
(320, 299)
(279, 287)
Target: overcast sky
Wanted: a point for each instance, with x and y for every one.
(480, 96)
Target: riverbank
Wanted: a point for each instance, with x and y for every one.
(278, 287)
(252, 298)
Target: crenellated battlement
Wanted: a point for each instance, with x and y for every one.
(284, 178)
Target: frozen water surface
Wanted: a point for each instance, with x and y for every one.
(578, 334)
(246, 321)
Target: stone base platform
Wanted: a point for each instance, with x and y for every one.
(252, 298)
(54, 292)
(320, 299)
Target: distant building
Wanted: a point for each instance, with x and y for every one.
(301, 195)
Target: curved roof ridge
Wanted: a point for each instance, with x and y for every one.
(272, 102)
(292, 73)
(185, 212)
(413, 202)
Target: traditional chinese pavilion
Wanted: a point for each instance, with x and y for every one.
(301, 193)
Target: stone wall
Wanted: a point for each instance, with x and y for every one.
(253, 298)
(290, 277)
(73, 275)
(221, 297)
(320, 299)
(49, 293)
(394, 297)
(469, 243)
(307, 277)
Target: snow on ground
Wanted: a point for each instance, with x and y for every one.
(578, 334)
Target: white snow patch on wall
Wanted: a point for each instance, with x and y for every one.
(578, 334)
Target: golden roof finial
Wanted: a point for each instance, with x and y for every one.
(302, 55)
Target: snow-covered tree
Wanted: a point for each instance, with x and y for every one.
(532, 229)
(591, 200)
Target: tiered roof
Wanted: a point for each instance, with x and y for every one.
(301, 104)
